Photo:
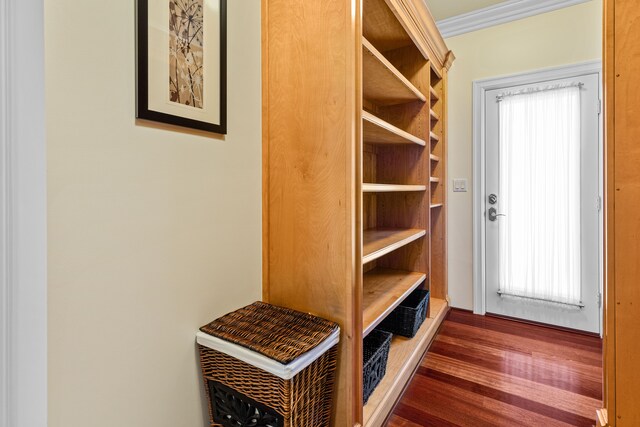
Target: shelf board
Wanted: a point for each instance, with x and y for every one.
(382, 82)
(405, 355)
(378, 242)
(436, 205)
(391, 188)
(434, 137)
(383, 290)
(433, 94)
(434, 158)
(434, 116)
(377, 131)
(434, 179)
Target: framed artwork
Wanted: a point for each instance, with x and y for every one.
(181, 72)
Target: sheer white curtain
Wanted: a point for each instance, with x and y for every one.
(540, 194)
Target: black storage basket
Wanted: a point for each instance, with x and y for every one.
(407, 318)
(376, 352)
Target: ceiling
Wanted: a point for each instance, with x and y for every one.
(442, 9)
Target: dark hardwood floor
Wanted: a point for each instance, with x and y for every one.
(487, 371)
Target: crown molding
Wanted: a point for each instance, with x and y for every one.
(510, 10)
(417, 20)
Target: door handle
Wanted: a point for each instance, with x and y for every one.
(493, 214)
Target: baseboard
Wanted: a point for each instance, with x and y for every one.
(545, 325)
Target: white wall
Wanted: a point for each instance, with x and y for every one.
(565, 36)
(152, 232)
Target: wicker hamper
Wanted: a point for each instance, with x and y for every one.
(407, 318)
(265, 365)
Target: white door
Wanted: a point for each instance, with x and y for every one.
(542, 218)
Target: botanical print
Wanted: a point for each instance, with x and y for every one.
(186, 52)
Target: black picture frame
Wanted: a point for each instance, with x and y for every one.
(142, 75)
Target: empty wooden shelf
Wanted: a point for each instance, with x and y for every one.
(377, 131)
(434, 116)
(384, 84)
(383, 290)
(434, 137)
(391, 188)
(436, 205)
(434, 95)
(434, 158)
(434, 179)
(379, 242)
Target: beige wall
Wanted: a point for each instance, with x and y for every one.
(152, 232)
(565, 36)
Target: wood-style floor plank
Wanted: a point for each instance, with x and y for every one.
(487, 371)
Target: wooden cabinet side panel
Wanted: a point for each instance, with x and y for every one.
(627, 207)
(311, 202)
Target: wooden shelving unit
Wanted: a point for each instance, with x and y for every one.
(354, 177)
(390, 59)
(438, 226)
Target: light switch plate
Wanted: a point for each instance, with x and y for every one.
(459, 185)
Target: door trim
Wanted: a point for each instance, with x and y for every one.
(480, 87)
(23, 216)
